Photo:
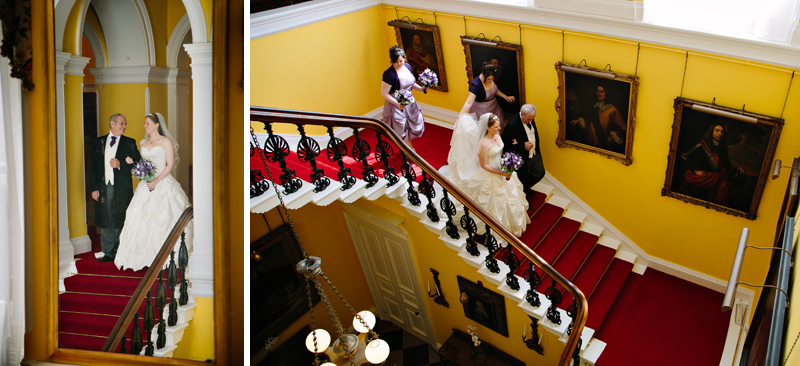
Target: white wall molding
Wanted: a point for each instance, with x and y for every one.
(75, 65)
(282, 19)
(387, 219)
(81, 244)
(176, 41)
(613, 18)
(97, 46)
(197, 19)
(66, 252)
(144, 18)
(130, 75)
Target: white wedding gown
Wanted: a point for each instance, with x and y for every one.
(151, 216)
(503, 199)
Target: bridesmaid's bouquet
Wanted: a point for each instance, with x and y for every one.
(428, 78)
(144, 170)
(510, 162)
(404, 96)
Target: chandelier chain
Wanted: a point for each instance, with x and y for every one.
(277, 191)
(341, 297)
(311, 307)
(329, 308)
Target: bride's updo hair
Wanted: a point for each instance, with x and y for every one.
(153, 117)
(491, 121)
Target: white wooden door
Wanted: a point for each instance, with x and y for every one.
(382, 248)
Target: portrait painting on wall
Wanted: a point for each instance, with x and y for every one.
(483, 306)
(507, 59)
(720, 157)
(597, 110)
(423, 49)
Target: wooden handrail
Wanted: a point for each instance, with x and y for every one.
(263, 114)
(147, 281)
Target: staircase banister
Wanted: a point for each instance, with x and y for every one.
(147, 281)
(264, 114)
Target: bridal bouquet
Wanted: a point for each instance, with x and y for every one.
(404, 96)
(144, 170)
(510, 162)
(428, 78)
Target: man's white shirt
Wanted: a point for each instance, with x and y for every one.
(111, 152)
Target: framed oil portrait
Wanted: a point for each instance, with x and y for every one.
(720, 157)
(278, 294)
(423, 49)
(597, 110)
(507, 58)
(484, 306)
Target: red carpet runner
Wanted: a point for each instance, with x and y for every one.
(650, 319)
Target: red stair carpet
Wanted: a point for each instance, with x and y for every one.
(651, 319)
(94, 299)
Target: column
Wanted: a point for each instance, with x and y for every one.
(74, 144)
(201, 265)
(66, 252)
(178, 84)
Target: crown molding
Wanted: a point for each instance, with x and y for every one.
(278, 20)
(613, 18)
(130, 75)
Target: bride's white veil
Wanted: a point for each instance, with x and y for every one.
(464, 147)
(165, 132)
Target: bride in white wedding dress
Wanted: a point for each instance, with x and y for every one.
(156, 205)
(479, 176)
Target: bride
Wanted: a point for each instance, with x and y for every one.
(156, 205)
(479, 175)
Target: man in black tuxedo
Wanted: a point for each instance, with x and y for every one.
(111, 183)
(522, 138)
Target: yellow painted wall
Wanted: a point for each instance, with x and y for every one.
(175, 11)
(632, 200)
(198, 343)
(158, 103)
(72, 28)
(208, 11)
(76, 187)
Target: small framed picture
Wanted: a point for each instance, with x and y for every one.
(597, 110)
(484, 306)
(507, 58)
(423, 49)
(720, 157)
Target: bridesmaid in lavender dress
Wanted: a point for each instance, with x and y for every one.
(482, 95)
(406, 120)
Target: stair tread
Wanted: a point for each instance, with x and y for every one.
(85, 342)
(535, 201)
(89, 324)
(592, 270)
(573, 256)
(607, 292)
(553, 244)
(540, 225)
(105, 285)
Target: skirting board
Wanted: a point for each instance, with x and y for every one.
(81, 244)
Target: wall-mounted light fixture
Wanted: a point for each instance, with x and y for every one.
(726, 114)
(597, 74)
(776, 172)
(478, 42)
(403, 24)
(438, 297)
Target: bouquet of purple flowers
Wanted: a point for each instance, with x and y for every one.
(510, 162)
(404, 96)
(428, 78)
(144, 170)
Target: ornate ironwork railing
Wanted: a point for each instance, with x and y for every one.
(275, 148)
(175, 272)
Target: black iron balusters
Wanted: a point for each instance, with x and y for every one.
(571, 311)
(136, 336)
(307, 152)
(149, 322)
(426, 188)
(438, 297)
(183, 261)
(491, 244)
(576, 354)
(555, 298)
(468, 224)
(277, 149)
(336, 150)
(161, 302)
(384, 151)
(172, 282)
(361, 151)
(533, 342)
(408, 172)
(534, 280)
(449, 209)
(511, 260)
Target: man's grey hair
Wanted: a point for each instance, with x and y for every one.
(527, 109)
(114, 118)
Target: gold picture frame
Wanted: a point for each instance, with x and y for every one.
(510, 77)
(423, 49)
(597, 110)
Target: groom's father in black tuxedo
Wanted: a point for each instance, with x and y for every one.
(522, 138)
(111, 183)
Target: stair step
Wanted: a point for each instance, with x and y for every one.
(607, 291)
(90, 324)
(575, 254)
(535, 202)
(540, 225)
(100, 304)
(590, 273)
(85, 342)
(91, 284)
